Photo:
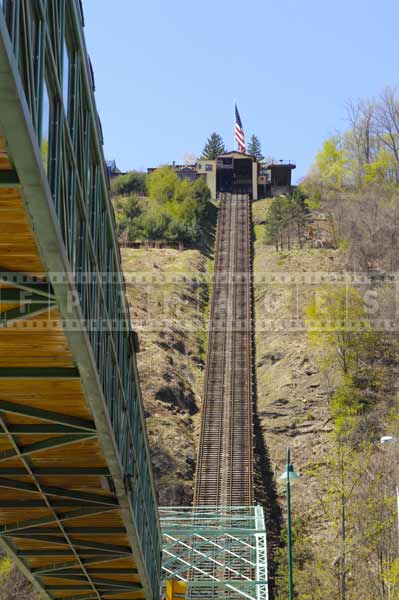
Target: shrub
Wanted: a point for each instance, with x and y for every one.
(133, 182)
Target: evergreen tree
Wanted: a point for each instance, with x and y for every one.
(255, 148)
(214, 147)
(286, 219)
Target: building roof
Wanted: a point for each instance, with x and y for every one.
(276, 165)
(236, 154)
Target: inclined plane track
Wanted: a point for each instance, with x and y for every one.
(224, 475)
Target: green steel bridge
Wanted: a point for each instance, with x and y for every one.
(77, 503)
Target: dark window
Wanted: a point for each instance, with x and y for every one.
(208, 167)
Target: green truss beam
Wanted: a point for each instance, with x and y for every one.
(88, 544)
(61, 573)
(39, 373)
(21, 313)
(102, 583)
(61, 492)
(41, 429)
(48, 444)
(88, 564)
(25, 282)
(46, 415)
(90, 597)
(55, 503)
(8, 178)
(54, 552)
(12, 295)
(35, 524)
(72, 530)
(72, 471)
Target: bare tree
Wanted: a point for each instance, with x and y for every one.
(362, 141)
(387, 124)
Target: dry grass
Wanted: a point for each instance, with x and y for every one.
(167, 309)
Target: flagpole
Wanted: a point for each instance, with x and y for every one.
(234, 124)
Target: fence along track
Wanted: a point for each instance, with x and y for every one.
(224, 473)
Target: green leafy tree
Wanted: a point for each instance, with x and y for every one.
(337, 325)
(338, 479)
(173, 209)
(331, 163)
(133, 182)
(255, 148)
(382, 170)
(312, 577)
(214, 147)
(286, 218)
(276, 221)
(162, 185)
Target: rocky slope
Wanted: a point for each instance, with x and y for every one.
(292, 393)
(168, 297)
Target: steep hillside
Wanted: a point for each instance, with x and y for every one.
(292, 394)
(327, 367)
(168, 297)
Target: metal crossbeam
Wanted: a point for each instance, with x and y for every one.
(88, 563)
(23, 312)
(101, 583)
(41, 503)
(47, 444)
(57, 471)
(36, 523)
(75, 573)
(11, 295)
(54, 539)
(61, 492)
(42, 429)
(25, 282)
(39, 373)
(46, 415)
(68, 552)
(71, 530)
(90, 597)
(8, 178)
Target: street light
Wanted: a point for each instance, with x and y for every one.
(388, 439)
(289, 475)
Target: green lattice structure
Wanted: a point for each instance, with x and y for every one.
(219, 551)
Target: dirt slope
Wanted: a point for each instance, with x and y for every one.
(168, 311)
(292, 394)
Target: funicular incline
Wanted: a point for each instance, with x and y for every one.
(218, 546)
(224, 475)
(77, 504)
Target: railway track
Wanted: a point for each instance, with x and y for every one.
(224, 475)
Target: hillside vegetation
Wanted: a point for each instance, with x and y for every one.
(328, 361)
(159, 206)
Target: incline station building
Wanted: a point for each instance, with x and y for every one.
(239, 173)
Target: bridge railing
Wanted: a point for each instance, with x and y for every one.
(58, 83)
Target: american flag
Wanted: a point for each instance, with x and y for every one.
(239, 132)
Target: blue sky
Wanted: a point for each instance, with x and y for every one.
(167, 73)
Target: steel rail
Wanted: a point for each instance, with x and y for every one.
(224, 474)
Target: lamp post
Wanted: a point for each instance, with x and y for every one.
(289, 475)
(388, 439)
